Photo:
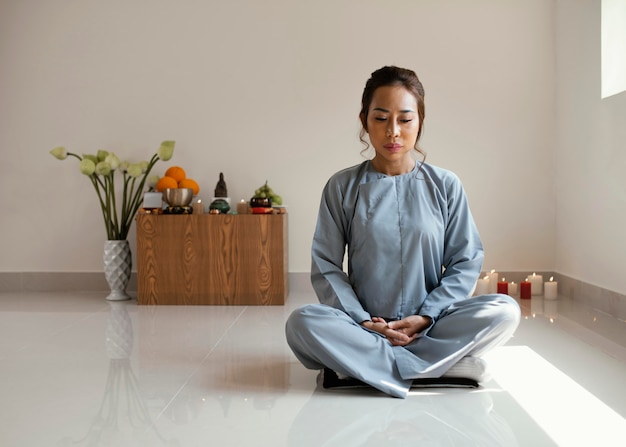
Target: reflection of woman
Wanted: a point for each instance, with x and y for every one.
(402, 312)
(437, 419)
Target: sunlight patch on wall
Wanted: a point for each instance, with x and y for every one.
(613, 43)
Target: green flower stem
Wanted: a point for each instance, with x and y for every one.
(127, 213)
(95, 181)
(125, 201)
(137, 194)
(112, 208)
(101, 189)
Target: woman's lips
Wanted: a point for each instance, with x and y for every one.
(393, 147)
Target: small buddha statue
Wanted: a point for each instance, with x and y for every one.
(220, 189)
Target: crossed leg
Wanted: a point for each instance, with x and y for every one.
(321, 336)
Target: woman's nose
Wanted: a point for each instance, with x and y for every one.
(393, 130)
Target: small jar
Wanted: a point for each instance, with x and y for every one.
(260, 202)
(152, 200)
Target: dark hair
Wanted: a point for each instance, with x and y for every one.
(391, 76)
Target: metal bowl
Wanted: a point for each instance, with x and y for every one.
(178, 196)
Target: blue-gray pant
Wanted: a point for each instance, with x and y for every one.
(321, 336)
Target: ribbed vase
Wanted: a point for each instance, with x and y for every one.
(117, 265)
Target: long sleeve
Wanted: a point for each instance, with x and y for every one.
(330, 282)
(463, 253)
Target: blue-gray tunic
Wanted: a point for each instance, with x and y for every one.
(401, 232)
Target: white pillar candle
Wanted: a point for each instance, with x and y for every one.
(550, 289)
(493, 282)
(536, 284)
(512, 288)
(482, 286)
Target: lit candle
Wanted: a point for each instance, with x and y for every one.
(503, 287)
(512, 288)
(482, 286)
(242, 207)
(493, 281)
(537, 284)
(550, 289)
(525, 290)
(198, 207)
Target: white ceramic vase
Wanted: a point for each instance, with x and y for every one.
(117, 265)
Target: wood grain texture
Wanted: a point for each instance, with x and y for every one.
(212, 259)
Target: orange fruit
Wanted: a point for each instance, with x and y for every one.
(166, 182)
(189, 183)
(176, 172)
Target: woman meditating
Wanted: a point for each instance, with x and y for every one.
(402, 315)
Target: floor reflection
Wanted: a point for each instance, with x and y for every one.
(431, 419)
(79, 371)
(122, 417)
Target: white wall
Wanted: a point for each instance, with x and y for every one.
(590, 156)
(271, 90)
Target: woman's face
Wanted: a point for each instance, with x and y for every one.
(392, 125)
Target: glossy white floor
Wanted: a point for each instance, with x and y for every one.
(77, 370)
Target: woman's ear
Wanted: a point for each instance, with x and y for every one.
(363, 121)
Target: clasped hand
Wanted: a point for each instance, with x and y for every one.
(399, 332)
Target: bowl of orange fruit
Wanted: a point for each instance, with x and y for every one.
(176, 187)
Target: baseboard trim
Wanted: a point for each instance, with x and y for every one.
(15, 282)
(58, 282)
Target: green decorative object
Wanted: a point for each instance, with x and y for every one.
(221, 205)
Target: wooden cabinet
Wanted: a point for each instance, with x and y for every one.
(225, 259)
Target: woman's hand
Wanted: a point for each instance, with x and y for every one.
(411, 326)
(399, 332)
